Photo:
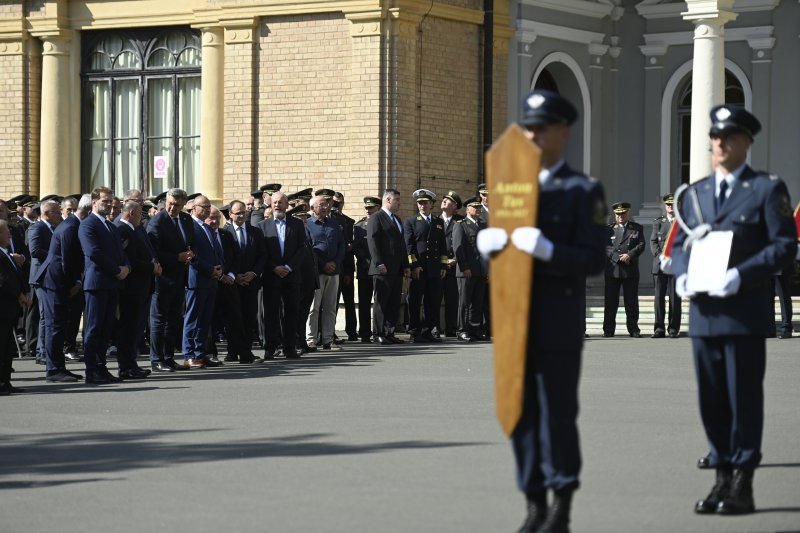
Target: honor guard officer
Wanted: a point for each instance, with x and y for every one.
(427, 258)
(664, 282)
(472, 271)
(568, 245)
(365, 286)
(450, 204)
(728, 325)
(622, 270)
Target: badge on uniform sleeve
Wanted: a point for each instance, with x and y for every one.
(599, 212)
(784, 206)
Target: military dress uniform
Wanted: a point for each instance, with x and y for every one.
(628, 239)
(664, 283)
(449, 283)
(472, 289)
(728, 328)
(365, 285)
(424, 236)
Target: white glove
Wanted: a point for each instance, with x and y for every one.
(680, 287)
(491, 240)
(732, 283)
(666, 264)
(531, 241)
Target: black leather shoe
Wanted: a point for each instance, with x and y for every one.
(94, 377)
(75, 357)
(480, 337)
(785, 335)
(111, 377)
(60, 376)
(558, 515)
(704, 462)
(537, 512)
(383, 341)
(144, 372)
(74, 375)
(720, 489)
(674, 334)
(395, 340)
(158, 366)
(608, 334)
(293, 353)
(173, 365)
(366, 340)
(739, 499)
(250, 360)
(212, 362)
(449, 333)
(231, 358)
(5, 389)
(130, 373)
(414, 339)
(658, 335)
(353, 338)
(636, 335)
(465, 337)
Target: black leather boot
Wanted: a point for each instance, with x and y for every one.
(537, 512)
(718, 492)
(739, 499)
(557, 520)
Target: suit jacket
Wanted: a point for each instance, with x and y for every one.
(102, 252)
(630, 240)
(39, 236)
(252, 258)
(231, 253)
(12, 285)
(448, 240)
(63, 267)
(168, 242)
(658, 238)
(425, 244)
(361, 246)
(18, 241)
(206, 257)
(140, 254)
(292, 256)
(386, 245)
(759, 213)
(465, 237)
(347, 223)
(571, 214)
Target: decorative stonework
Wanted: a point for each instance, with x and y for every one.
(11, 48)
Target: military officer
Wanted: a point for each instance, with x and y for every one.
(664, 282)
(728, 324)
(365, 286)
(451, 203)
(622, 270)
(567, 246)
(471, 271)
(427, 258)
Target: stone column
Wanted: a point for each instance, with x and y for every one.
(211, 119)
(55, 164)
(708, 74)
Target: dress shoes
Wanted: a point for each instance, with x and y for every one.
(100, 376)
(479, 337)
(465, 337)
(608, 334)
(213, 361)
(75, 357)
(449, 333)
(704, 462)
(130, 373)
(417, 339)
(429, 336)
(395, 340)
(60, 376)
(231, 358)
(366, 340)
(718, 492)
(785, 335)
(674, 334)
(158, 366)
(353, 338)
(537, 512)
(659, 334)
(173, 365)
(636, 335)
(739, 499)
(293, 353)
(383, 341)
(8, 388)
(250, 360)
(193, 364)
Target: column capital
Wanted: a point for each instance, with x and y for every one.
(709, 12)
(365, 24)
(57, 43)
(212, 36)
(240, 30)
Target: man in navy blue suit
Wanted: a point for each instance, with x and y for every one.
(59, 279)
(105, 267)
(171, 233)
(39, 235)
(729, 325)
(205, 270)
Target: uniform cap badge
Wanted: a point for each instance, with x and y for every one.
(723, 113)
(536, 101)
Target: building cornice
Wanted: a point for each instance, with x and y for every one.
(674, 10)
(585, 8)
(757, 37)
(529, 30)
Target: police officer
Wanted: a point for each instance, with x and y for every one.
(427, 257)
(622, 270)
(471, 272)
(365, 286)
(664, 282)
(451, 203)
(567, 245)
(728, 324)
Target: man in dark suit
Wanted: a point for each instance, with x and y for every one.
(171, 233)
(471, 271)
(365, 285)
(451, 203)
(14, 295)
(136, 289)
(427, 257)
(105, 267)
(205, 270)
(567, 245)
(60, 280)
(250, 242)
(622, 270)
(39, 235)
(728, 324)
(388, 266)
(284, 242)
(664, 282)
(347, 277)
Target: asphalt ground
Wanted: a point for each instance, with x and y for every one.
(395, 439)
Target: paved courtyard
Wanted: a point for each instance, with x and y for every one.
(397, 439)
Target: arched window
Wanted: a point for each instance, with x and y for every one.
(734, 94)
(141, 92)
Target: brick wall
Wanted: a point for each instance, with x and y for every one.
(12, 125)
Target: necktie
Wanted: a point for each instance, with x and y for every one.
(176, 221)
(280, 225)
(397, 223)
(240, 236)
(217, 247)
(109, 226)
(723, 189)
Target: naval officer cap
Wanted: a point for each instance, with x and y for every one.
(423, 195)
(473, 201)
(727, 119)
(326, 194)
(372, 201)
(483, 189)
(270, 188)
(621, 207)
(454, 197)
(546, 107)
(669, 198)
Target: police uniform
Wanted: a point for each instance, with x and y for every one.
(424, 236)
(664, 283)
(472, 289)
(628, 239)
(449, 283)
(728, 328)
(365, 285)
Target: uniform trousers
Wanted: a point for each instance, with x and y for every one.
(386, 306)
(365, 290)
(665, 288)
(730, 382)
(100, 314)
(545, 441)
(471, 295)
(56, 307)
(132, 320)
(197, 321)
(425, 291)
(323, 310)
(450, 296)
(630, 293)
(166, 310)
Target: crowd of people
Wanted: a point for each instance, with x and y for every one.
(174, 275)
